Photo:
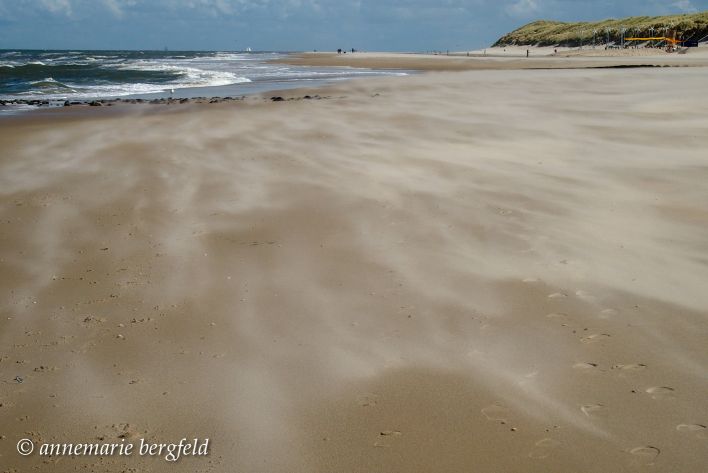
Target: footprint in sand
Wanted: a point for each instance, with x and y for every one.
(528, 378)
(661, 392)
(496, 412)
(122, 431)
(544, 448)
(585, 366)
(644, 455)
(591, 409)
(632, 367)
(690, 427)
(386, 437)
(595, 337)
(699, 429)
(367, 400)
(585, 296)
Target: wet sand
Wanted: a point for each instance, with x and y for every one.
(457, 271)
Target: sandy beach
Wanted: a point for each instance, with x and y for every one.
(507, 58)
(483, 270)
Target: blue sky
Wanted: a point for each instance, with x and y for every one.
(286, 25)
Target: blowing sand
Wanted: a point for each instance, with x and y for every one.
(485, 271)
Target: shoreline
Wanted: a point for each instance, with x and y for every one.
(250, 76)
(542, 59)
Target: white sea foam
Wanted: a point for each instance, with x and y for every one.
(46, 79)
(190, 76)
(14, 109)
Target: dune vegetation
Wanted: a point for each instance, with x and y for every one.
(688, 27)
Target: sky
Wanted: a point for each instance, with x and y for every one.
(295, 25)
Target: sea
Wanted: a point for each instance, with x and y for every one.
(57, 76)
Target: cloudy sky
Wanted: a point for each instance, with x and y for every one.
(286, 25)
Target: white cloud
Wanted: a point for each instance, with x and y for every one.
(117, 7)
(522, 8)
(62, 7)
(73, 8)
(685, 6)
(224, 7)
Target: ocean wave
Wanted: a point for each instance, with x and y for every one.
(60, 91)
(187, 76)
(46, 79)
(83, 74)
(50, 84)
(224, 57)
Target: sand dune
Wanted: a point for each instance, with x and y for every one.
(477, 271)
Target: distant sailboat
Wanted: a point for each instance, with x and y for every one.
(248, 50)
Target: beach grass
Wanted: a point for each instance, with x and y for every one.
(549, 33)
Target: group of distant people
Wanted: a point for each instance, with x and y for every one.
(342, 51)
